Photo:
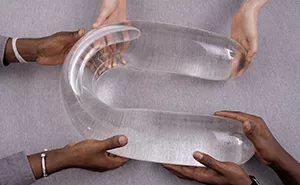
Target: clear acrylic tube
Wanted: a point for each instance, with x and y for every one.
(156, 55)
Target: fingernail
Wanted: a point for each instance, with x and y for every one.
(96, 25)
(247, 126)
(122, 140)
(81, 32)
(198, 155)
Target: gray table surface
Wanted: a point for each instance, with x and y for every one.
(32, 117)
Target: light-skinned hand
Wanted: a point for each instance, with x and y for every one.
(111, 11)
(244, 26)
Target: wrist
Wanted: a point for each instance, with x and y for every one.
(59, 159)
(283, 160)
(276, 158)
(28, 48)
(56, 160)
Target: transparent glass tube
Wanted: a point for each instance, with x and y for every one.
(155, 53)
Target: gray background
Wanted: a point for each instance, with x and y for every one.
(32, 117)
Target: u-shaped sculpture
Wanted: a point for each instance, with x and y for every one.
(156, 55)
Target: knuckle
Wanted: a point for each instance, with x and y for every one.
(109, 143)
(102, 145)
(112, 142)
(207, 161)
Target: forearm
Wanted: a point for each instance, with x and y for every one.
(27, 48)
(19, 169)
(123, 6)
(287, 168)
(56, 160)
(255, 4)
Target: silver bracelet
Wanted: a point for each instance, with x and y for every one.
(43, 156)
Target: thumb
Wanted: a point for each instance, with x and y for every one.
(78, 34)
(114, 142)
(251, 130)
(75, 36)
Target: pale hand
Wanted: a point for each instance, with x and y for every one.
(111, 11)
(244, 29)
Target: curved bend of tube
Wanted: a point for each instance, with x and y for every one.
(86, 47)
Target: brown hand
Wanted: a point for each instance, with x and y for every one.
(92, 154)
(52, 50)
(268, 150)
(215, 172)
(89, 154)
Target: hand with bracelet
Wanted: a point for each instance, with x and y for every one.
(267, 150)
(88, 154)
(50, 50)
